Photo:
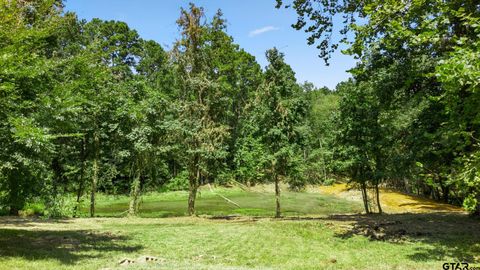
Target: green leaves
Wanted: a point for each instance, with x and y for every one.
(26, 132)
(279, 114)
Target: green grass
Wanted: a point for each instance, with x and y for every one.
(320, 235)
(173, 204)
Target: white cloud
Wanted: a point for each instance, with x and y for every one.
(262, 30)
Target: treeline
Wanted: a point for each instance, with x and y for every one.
(91, 107)
(410, 117)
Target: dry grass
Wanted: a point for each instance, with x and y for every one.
(393, 201)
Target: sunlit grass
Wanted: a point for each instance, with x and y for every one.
(243, 243)
(318, 232)
(171, 204)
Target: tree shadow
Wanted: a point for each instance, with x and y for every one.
(66, 246)
(447, 235)
(14, 221)
(239, 219)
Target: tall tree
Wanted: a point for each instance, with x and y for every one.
(202, 135)
(323, 107)
(360, 137)
(280, 114)
(28, 34)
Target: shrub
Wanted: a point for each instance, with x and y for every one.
(180, 182)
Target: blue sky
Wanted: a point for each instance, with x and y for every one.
(254, 24)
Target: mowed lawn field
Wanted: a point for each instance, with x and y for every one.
(319, 231)
(255, 202)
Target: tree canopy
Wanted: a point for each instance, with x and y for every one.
(418, 64)
(90, 106)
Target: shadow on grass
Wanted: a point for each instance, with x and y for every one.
(14, 221)
(447, 235)
(66, 246)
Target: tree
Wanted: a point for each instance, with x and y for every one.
(359, 137)
(238, 75)
(146, 128)
(429, 49)
(145, 146)
(323, 106)
(27, 35)
(459, 73)
(201, 134)
(432, 25)
(113, 47)
(280, 113)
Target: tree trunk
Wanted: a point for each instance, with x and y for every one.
(445, 192)
(323, 163)
(94, 178)
(94, 187)
(377, 193)
(277, 197)
(79, 195)
(56, 177)
(15, 199)
(135, 196)
(82, 178)
(13, 211)
(193, 187)
(436, 194)
(477, 211)
(365, 198)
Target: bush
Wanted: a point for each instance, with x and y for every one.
(470, 203)
(328, 182)
(60, 207)
(32, 209)
(180, 182)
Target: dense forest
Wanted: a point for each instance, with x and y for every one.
(90, 107)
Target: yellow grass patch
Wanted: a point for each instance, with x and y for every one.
(393, 201)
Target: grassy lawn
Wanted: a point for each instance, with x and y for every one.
(321, 233)
(174, 204)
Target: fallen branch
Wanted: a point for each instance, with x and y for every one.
(240, 185)
(223, 197)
